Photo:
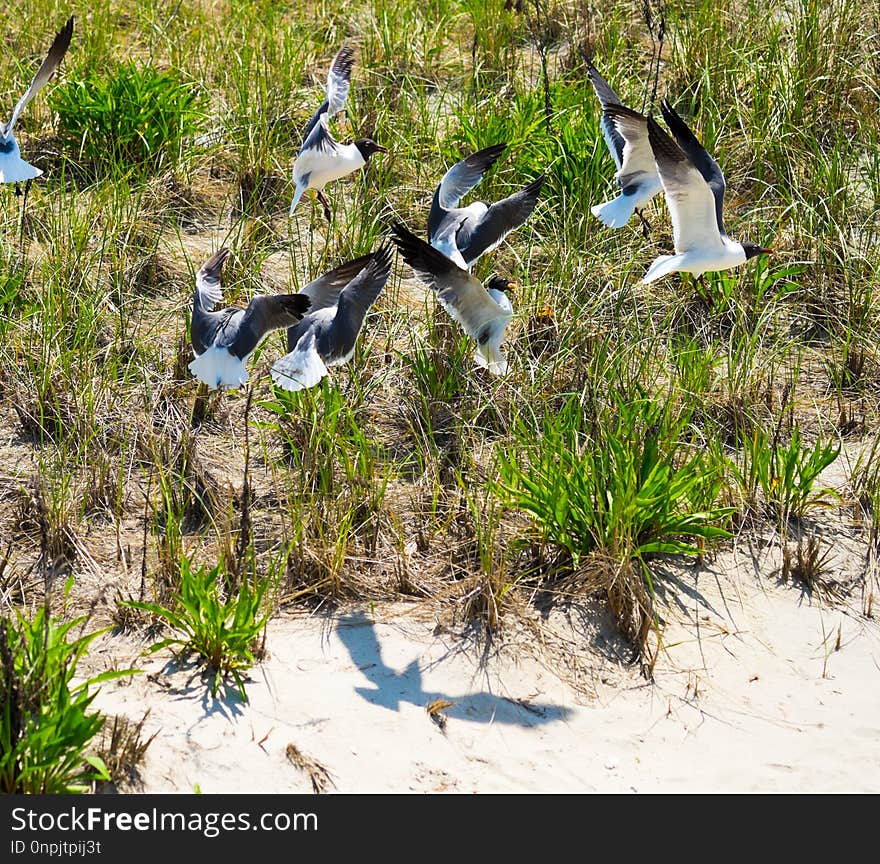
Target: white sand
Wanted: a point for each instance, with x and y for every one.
(752, 695)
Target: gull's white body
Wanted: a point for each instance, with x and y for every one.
(698, 260)
(315, 168)
(490, 356)
(301, 368)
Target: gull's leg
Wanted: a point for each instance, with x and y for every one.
(326, 205)
(27, 188)
(646, 226)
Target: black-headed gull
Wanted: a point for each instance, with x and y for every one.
(13, 169)
(483, 312)
(224, 339)
(327, 335)
(694, 188)
(322, 158)
(627, 138)
(465, 233)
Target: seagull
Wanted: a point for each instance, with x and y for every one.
(694, 188)
(483, 312)
(322, 158)
(13, 169)
(627, 138)
(465, 233)
(326, 336)
(224, 339)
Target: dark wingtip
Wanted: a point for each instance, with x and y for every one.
(671, 116)
(487, 156)
(343, 61)
(62, 40)
(419, 254)
(381, 258)
(214, 264)
(408, 243)
(614, 109)
(537, 184)
(298, 303)
(401, 233)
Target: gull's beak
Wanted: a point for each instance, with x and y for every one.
(766, 251)
(381, 149)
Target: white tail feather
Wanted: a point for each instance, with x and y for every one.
(13, 169)
(297, 194)
(663, 265)
(491, 357)
(616, 213)
(301, 368)
(216, 367)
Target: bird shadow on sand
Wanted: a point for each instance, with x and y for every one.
(392, 688)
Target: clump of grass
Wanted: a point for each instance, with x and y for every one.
(46, 512)
(128, 118)
(808, 564)
(778, 478)
(45, 722)
(488, 591)
(122, 747)
(612, 495)
(221, 629)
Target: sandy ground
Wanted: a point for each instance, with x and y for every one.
(760, 689)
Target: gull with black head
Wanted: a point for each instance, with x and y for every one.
(694, 187)
(224, 339)
(322, 158)
(483, 312)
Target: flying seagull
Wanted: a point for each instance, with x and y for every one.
(626, 135)
(483, 312)
(465, 233)
(13, 169)
(327, 335)
(322, 158)
(694, 188)
(224, 339)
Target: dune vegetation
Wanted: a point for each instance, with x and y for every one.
(637, 426)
